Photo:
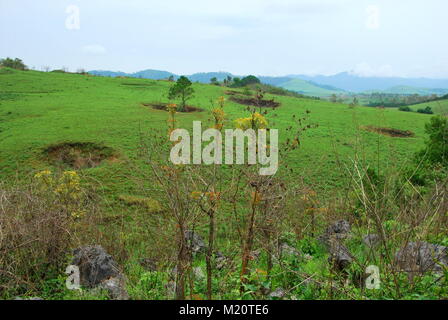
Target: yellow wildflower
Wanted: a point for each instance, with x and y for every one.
(256, 121)
(78, 214)
(172, 108)
(196, 195)
(42, 174)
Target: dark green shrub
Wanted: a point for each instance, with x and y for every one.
(426, 110)
(13, 63)
(405, 109)
(182, 88)
(246, 81)
(436, 151)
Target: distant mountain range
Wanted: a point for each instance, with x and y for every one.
(309, 88)
(319, 85)
(353, 83)
(204, 77)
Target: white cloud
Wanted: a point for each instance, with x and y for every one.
(366, 70)
(96, 49)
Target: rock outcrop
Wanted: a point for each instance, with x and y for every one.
(421, 257)
(195, 242)
(339, 230)
(340, 257)
(371, 240)
(97, 269)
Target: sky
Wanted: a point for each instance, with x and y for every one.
(405, 38)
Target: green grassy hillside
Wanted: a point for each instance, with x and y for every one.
(439, 107)
(410, 90)
(308, 88)
(40, 109)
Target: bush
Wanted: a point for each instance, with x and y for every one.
(405, 109)
(13, 63)
(214, 81)
(249, 80)
(431, 163)
(37, 227)
(436, 151)
(426, 110)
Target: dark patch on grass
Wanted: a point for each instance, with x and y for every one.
(10, 96)
(78, 155)
(235, 93)
(162, 106)
(137, 85)
(254, 102)
(150, 205)
(391, 132)
(232, 93)
(32, 92)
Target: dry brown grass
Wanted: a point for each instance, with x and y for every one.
(37, 233)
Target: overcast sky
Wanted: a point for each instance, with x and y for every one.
(262, 37)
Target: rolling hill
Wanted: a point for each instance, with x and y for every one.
(202, 77)
(297, 85)
(145, 74)
(310, 88)
(438, 107)
(350, 82)
(320, 86)
(407, 90)
(39, 109)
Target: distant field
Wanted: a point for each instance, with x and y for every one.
(308, 88)
(40, 109)
(439, 107)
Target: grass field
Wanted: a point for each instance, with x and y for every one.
(438, 107)
(41, 110)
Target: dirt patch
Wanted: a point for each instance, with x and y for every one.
(391, 132)
(232, 93)
(236, 93)
(254, 102)
(79, 155)
(162, 106)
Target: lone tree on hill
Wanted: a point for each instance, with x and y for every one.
(214, 81)
(182, 88)
(250, 80)
(13, 63)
